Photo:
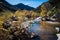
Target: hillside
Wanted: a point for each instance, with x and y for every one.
(22, 7)
(6, 6)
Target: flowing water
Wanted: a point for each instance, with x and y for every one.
(35, 29)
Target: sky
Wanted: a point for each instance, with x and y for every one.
(32, 3)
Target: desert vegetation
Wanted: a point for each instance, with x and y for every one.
(11, 22)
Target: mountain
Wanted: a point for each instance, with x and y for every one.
(38, 9)
(4, 5)
(53, 3)
(22, 6)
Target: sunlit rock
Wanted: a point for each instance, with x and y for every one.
(38, 19)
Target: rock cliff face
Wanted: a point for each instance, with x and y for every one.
(55, 2)
(45, 7)
(51, 8)
(48, 6)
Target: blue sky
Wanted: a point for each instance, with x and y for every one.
(32, 3)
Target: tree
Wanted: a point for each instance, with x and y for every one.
(53, 1)
(52, 12)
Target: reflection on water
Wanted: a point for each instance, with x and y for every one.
(35, 28)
